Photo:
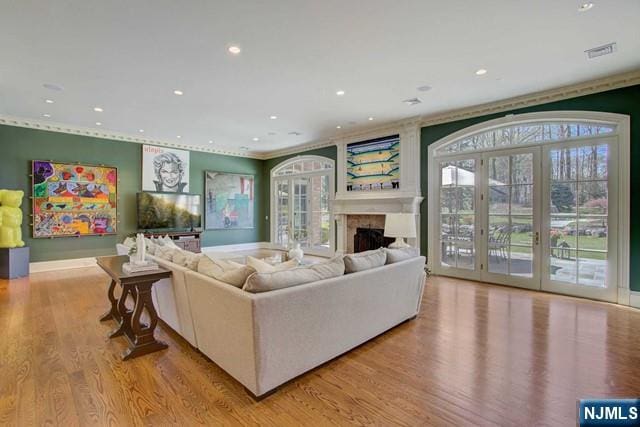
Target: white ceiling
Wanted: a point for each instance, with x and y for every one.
(129, 56)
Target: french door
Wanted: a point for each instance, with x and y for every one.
(538, 217)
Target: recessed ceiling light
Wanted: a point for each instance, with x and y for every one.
(340, 92)
(338, 127)
(178, 136)
(98, 109)
(256, 139)
(584, 7)
(244, 148)
(370, 118)
(51, 86)
(273, 117)
(481, 72)
(49, 101)
(234, 50)
(98, 123)
(210, 141)
(46, 115)
(141, 130)
(424, 88)
(178, 92)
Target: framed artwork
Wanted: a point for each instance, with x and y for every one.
(374, 165)
(73, 199)
(229, 201)
(165, 169)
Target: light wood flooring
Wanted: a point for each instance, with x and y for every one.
(476, 355)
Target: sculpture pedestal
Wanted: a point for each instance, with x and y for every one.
(14, 262)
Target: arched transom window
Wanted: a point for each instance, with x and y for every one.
(301, 195)
(524, 133)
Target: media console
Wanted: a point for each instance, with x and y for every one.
(187, 240)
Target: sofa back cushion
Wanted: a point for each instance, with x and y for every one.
(264, 267)
(364, 260)
(225, 271)
(400, 254)
(263, 282)
(166, 252)
(187, 259)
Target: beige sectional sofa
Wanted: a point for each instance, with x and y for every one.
(265, 339)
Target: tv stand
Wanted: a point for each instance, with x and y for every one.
(187, 240)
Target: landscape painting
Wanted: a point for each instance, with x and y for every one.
(374, 165)
(229, 201)
(73, 199)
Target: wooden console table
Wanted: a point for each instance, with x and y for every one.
(138, 285)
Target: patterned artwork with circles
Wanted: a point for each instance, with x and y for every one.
(73, 199)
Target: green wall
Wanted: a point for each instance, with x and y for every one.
(330, 152)
(20, 145)
(622, 101)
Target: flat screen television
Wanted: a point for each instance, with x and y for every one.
(169, 211)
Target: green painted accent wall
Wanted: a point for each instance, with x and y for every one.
(622, 101)
(329, 152)
(20, 145)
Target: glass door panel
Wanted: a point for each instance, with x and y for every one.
(458, 214)
(282, 212)
(579, 243)
(301, 211)
(511, 225)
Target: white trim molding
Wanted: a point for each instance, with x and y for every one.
(634, 299)
(615, 81)
(62, 264)
(116, 136)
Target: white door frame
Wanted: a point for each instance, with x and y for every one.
(622, 123)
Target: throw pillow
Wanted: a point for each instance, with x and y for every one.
(225, 271)
(150, 246)
(364, 260)
(263, 282)
(129, 242)
(400, 254)
(264, 267)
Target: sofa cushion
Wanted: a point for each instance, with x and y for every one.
(400, 254)
(150, 246)
(129, 242)
(166, 252)
(263, 282)
(364, 260)
(264, 267)
(186, 259)
(225, 271)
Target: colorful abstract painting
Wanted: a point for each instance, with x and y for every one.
(374, 165)
(229, 200)
(73, 199)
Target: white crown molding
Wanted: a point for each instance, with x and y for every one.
(117, 136)
(616, 81)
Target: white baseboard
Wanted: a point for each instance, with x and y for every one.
(634, 299)
(237, 247)
(63, 264)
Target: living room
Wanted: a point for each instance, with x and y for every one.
(303, 213)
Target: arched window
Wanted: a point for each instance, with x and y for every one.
(301, 196)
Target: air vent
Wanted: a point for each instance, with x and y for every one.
(601, 50)
(412, 101)
(295, 133)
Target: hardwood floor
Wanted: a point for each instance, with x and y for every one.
(476, 354)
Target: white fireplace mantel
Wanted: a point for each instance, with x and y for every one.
(405, 200)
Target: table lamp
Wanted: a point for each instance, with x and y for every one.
(400, 225)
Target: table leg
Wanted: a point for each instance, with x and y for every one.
(143, 341)
(124, 326)
(112, 313)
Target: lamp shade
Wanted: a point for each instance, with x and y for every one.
(400, 225)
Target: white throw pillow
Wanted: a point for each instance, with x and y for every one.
(263, 282)
(225, 271)
(170, 243)
(362, 261)
(400, 254)
(264, 267)
(129, 242)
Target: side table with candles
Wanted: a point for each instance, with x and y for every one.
(138, 285)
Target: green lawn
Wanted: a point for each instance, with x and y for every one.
(586, 242)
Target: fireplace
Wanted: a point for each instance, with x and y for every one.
(367, 239)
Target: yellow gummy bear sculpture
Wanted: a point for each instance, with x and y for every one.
(11, 219)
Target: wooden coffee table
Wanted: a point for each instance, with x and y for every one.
(138, 285)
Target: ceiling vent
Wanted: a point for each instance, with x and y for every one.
(412, 101)
(601, 50)
(294, 133)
